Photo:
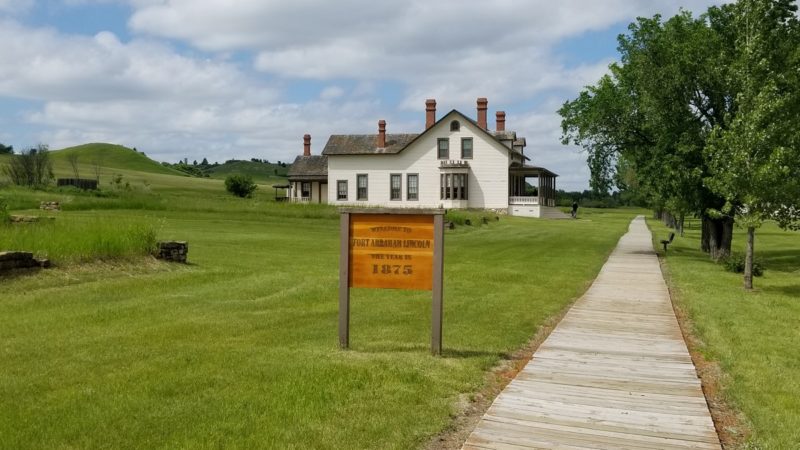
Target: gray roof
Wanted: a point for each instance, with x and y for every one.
(314, 167)
(505, 135)
(366, 144)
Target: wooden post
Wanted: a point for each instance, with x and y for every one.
(438, 268)
(372, 255)
(344, 281)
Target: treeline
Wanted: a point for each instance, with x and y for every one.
(699, 117)
(594, 199)
(203, 169)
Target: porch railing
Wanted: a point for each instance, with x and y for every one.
(517, 200)
(301, 199)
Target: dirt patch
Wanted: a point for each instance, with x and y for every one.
(472, 407)
(732, 426)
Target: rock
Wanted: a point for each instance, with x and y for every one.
(17, 260)
(24, 219)
(50, 206)
(173, 251)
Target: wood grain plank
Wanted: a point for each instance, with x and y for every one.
(614, 374)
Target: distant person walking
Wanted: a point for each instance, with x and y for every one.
(574, 209)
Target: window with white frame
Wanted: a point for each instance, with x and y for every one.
(341, 190)
(466, 148)
(443, 145)
(412, 187)
(395, 186)
(454, 186)
(361, 184)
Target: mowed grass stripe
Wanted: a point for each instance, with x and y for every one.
(239, 348)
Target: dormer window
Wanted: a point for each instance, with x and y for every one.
(455, 125)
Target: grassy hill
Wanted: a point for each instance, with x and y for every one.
(111, 156)
(259, 171)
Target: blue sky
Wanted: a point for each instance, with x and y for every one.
(222, 79)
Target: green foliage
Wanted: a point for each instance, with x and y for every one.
(258, 170)
(754, 155)
(240, 185)
(76, 239)
(6, 149)
(470, 217)
(31, 167)
(189, 169)
(736, 261)
(700, 115)
(5, 215)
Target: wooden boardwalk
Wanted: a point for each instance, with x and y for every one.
(614, 374)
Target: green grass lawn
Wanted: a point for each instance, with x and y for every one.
(755, 336)
(239, 348)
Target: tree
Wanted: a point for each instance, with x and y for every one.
(651, 115)
(204, 162)
(31, 167)
(73, 162)
(755, 158)
(240, 185)
(6, 149)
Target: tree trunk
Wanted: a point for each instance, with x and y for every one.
(748, 259)
(716, 237)
(681, 222)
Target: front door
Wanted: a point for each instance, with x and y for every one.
(323, 192)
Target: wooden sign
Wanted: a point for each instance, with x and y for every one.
(391, 249)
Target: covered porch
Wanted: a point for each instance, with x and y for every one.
(530, 185)
(308, 189)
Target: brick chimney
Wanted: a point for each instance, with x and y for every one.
(430, 112)
(381, 134)
(501, 120)
(307, 145)
(483, 105)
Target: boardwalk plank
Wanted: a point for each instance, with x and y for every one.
(614, 374)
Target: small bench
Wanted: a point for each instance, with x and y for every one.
(666, 242)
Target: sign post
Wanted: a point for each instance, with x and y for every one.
(391, 249)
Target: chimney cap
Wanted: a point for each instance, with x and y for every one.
(483, 101)
(306, 136)
(501, 113)
(430, 101)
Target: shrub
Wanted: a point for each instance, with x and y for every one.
(5, 216)
(735, 264)
(31, 167)
(240, 185)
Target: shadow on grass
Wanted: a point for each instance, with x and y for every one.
(780, 260)
(417, 348)
(13, 274)
(791, 291)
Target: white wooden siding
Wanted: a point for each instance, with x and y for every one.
(488, 170)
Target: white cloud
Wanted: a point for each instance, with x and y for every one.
(15, 6)
(331, 92)
(175, 104)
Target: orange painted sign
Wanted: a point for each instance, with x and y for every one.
(391, 251)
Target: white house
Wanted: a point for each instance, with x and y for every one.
(456, 162)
